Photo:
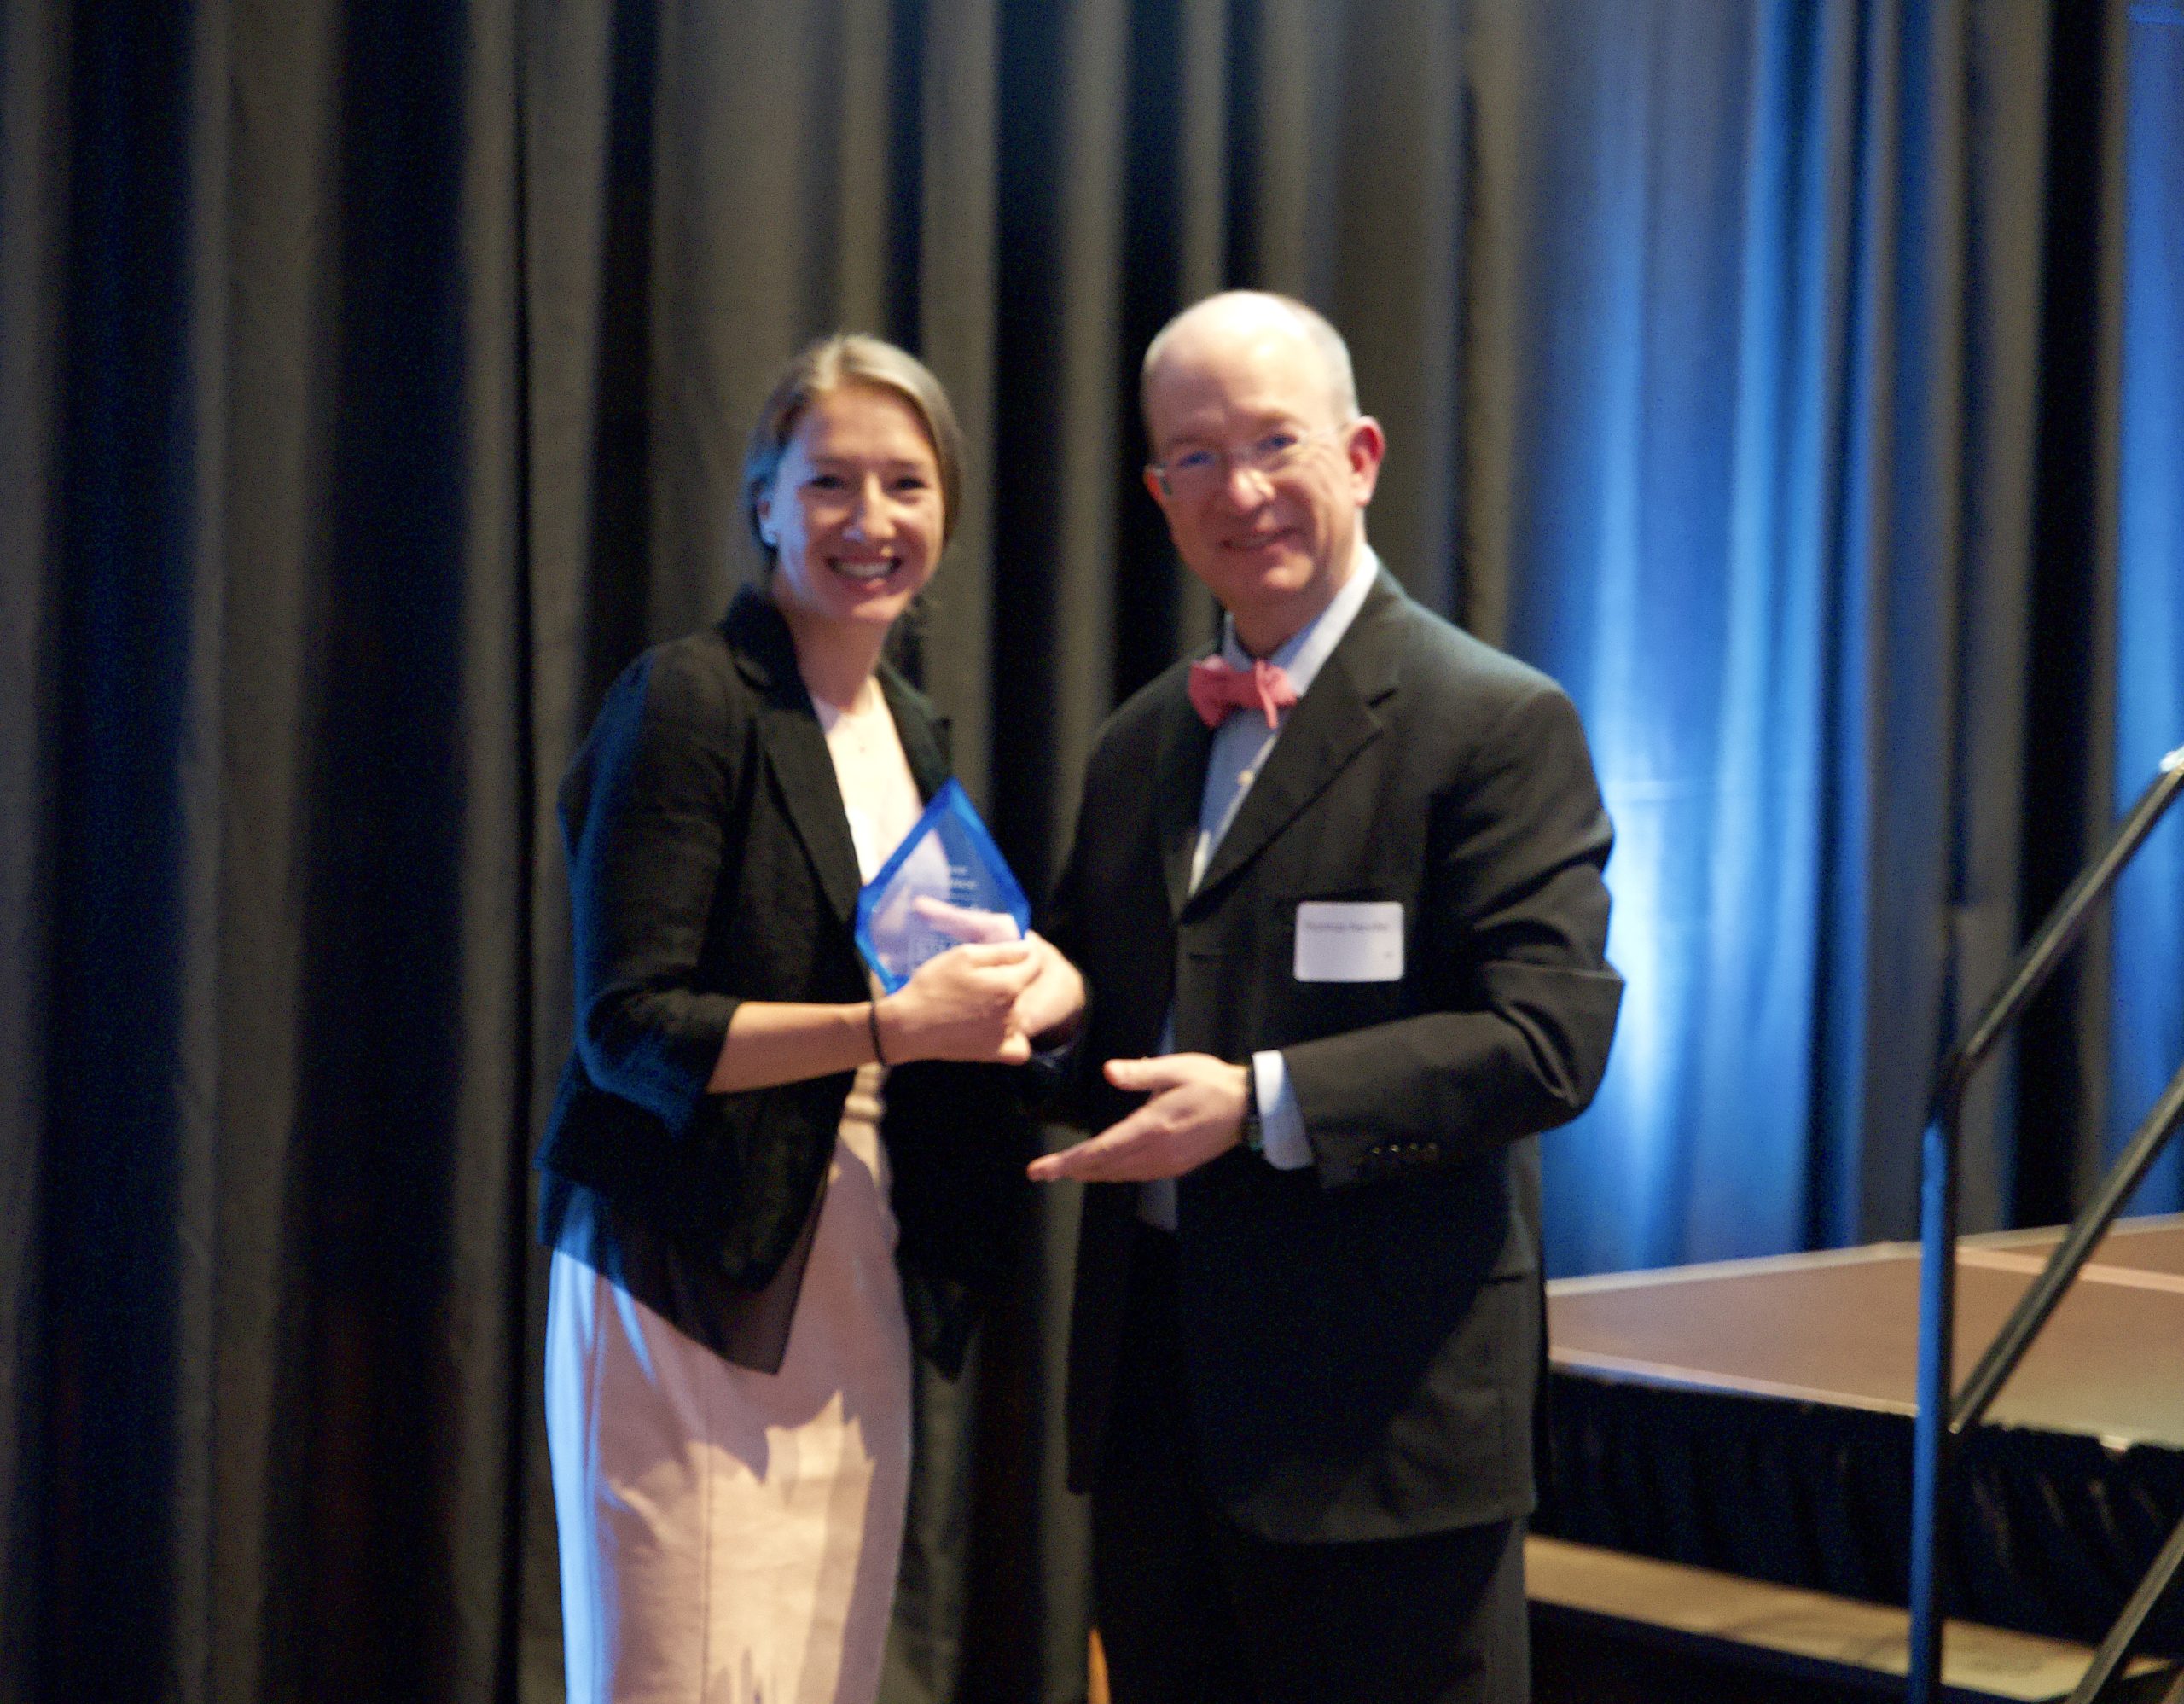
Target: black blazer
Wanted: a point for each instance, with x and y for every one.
(710, 861)
(1360, 1338)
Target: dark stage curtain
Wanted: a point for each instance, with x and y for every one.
(267, 842)
(373, 380)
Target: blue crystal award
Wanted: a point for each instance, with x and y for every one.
(945, 885)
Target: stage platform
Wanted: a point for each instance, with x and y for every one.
(1611, 1628)
(1754, 1417)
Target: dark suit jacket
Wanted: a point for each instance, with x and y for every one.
(1360, 1337)
(710, 861)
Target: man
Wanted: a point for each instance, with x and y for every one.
(1343, 884)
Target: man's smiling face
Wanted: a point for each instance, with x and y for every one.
(1263, 485)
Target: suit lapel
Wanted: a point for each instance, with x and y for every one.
(1333, 721)
(795, 746)
(1178, 789)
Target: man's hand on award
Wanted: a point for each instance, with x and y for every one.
(961, 1004)
(1047, 1011)
(1195, 1112)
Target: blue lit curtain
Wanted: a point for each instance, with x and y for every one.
(1668, 563)
(2148, 1041)
(1810, 503)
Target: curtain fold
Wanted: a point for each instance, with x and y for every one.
(33, 191)
(1797, 382)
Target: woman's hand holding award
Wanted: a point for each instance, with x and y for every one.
(947, 885)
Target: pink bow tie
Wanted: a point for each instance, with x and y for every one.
(1216, 688)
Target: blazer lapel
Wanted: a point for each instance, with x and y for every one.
(1178, 790)
(1333, 721)
(795, 748)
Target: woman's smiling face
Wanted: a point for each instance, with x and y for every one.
(854, 513)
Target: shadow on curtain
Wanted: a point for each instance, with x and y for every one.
(373, 379)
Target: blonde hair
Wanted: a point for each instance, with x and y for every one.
(846, 359)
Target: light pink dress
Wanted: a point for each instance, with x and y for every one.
(744, 1528)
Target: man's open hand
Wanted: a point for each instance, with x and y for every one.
(1196, 1112)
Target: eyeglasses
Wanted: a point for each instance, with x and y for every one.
(1200, 470)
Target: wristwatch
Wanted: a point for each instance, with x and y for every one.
(1254, 1133)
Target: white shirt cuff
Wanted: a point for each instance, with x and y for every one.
(1281, 1120)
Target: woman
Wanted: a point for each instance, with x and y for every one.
(749, 1231)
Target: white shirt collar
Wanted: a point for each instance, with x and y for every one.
(1303, 651)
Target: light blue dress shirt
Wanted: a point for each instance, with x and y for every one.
(1241, 747)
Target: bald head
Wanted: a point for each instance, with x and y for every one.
(1237, 319)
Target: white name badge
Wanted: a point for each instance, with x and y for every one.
(1350, 941)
